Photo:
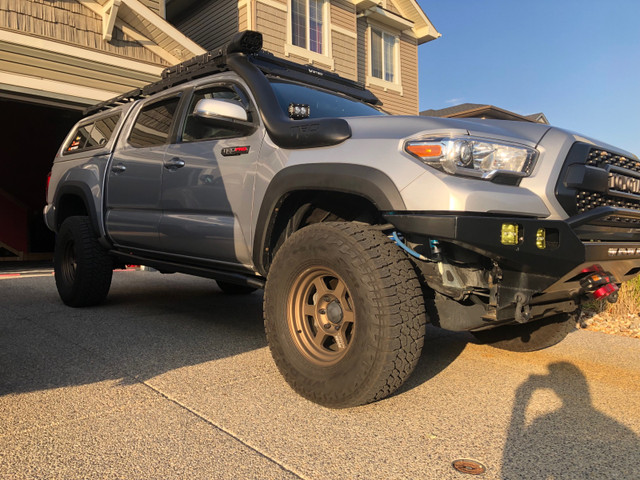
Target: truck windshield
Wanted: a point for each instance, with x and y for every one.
(322, 103)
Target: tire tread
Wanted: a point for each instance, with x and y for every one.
(95, 266)
(395, 291)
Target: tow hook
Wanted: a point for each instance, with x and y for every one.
(600, 284)
(523, 311)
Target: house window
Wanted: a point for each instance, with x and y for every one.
(383, 55)
(307, 24)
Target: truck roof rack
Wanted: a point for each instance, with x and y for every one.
(215, 61)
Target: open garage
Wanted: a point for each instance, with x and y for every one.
(56, 58)
(30, 136)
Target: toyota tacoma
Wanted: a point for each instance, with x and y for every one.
(361, 227)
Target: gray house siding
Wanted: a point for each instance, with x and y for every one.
(210, 23)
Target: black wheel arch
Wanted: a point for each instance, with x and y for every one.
(74, 198)
(370, 185)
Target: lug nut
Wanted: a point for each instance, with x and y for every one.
(322, 311)
(327, 326)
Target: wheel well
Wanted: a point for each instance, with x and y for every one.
(70, 205)
(299, 209)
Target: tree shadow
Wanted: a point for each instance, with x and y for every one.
(576, 441)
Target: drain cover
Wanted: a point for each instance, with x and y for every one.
(465, 465)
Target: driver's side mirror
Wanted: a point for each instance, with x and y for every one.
(223, 113)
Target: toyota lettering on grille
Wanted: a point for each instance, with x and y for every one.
(623, 183)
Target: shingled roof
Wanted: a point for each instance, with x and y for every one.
(480, 110)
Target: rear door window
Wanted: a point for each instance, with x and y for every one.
(153, 125)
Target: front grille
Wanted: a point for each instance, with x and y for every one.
(602, 158)
(586, 200)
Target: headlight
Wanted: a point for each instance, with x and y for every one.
(476, 157)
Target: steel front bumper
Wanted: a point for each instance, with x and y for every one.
(579, 243)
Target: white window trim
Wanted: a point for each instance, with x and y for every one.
(396, 85)
(324, 59)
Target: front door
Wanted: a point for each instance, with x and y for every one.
(207, 191)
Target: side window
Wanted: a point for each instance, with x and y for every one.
(93, 135)
(153, 124)
(102, 131)
(79, 139)
(195, 129)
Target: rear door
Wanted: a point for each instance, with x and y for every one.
(133, 200)
(208, 179)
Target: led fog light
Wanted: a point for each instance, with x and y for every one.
(510, 234)
(541, 238)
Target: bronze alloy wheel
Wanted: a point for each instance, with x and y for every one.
(321, 316)
(343, 313)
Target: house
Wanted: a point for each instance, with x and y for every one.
(372, 41)
(478, 110)
(57, 57)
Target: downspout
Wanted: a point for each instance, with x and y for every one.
(251, 14)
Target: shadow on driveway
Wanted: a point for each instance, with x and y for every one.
(574, 441)
(149, 324)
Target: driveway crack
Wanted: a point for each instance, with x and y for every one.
(223, 430)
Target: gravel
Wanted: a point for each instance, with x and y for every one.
(627, 325)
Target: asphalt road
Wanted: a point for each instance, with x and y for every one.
(170, 378)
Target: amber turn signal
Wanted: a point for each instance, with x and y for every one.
(425, 151)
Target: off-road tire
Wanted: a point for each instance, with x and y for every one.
(529, 337)
(234, 289)
(83, 269)
(381, 311)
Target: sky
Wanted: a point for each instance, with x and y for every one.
(578, 62)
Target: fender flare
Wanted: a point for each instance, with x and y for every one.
(82, 191)
(361, 180)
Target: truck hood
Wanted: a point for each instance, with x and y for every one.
(398, 127)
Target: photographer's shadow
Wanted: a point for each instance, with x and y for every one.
(575, 441)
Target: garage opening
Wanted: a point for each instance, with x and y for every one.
(30, 136)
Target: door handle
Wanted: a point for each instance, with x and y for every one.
(118, 168)
(174, 164)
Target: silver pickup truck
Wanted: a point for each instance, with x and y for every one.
(361, 227)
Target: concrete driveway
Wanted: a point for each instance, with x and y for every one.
(170, 378)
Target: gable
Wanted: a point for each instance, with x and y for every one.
(58, 49)
(145, 26)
